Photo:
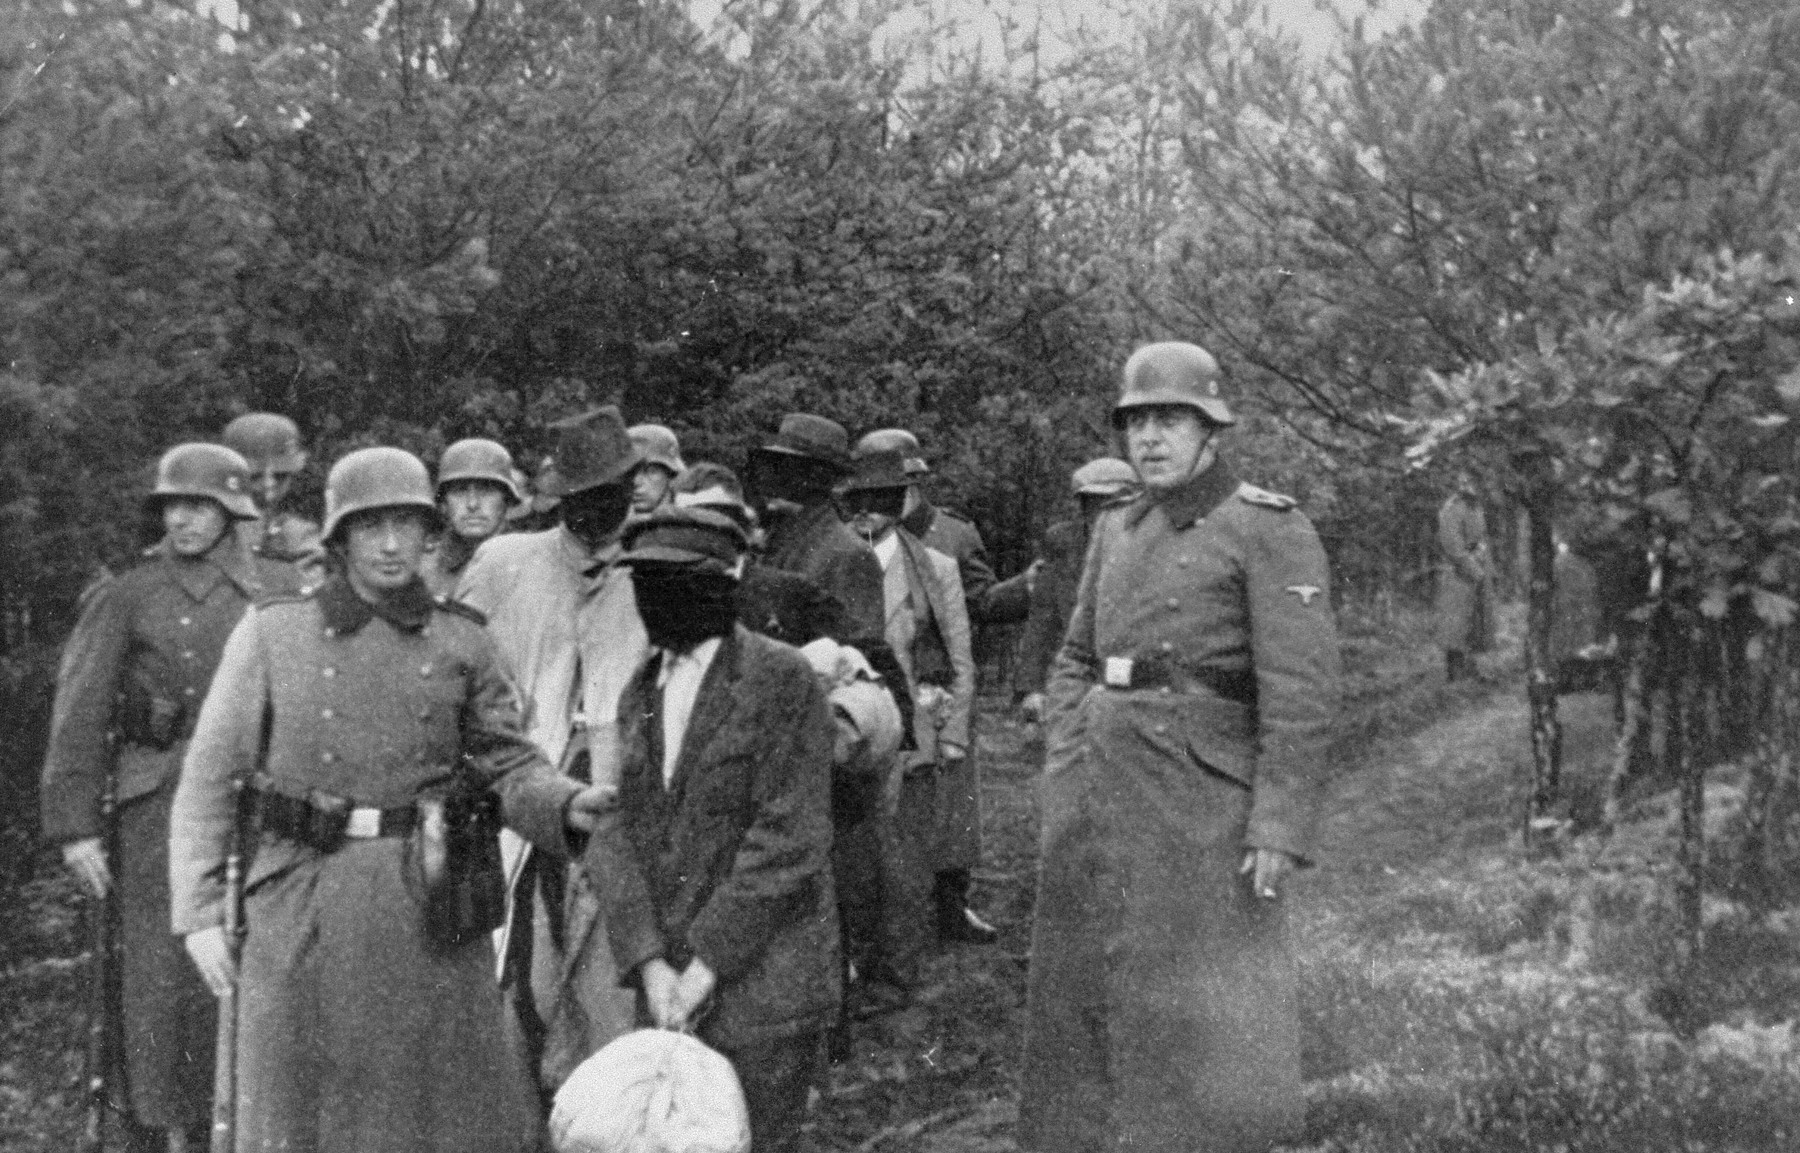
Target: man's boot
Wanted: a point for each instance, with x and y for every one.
(956, 922)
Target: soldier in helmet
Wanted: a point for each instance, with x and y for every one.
(136, 669)
(650, 489)
(1053, 576)
(271, 443)
(1189, 715)
(476, 486)
(369, 719)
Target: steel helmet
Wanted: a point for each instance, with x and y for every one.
(266, 440)
(372, 478)
(478, 459)
(1172, 372)
(209, 471)
(897, 440)
(1107, 476)
(657, 445)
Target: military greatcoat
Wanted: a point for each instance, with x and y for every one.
(1465, 594)
(1161, 1011)
(133, 675)
(356, 1034)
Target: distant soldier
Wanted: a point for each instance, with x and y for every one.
(1097, 485)
(476, 487)
(1189, 723)
(562, 614)
(271, 443)
(374, 724)
(935, 831)
(1465, 594)
(661, 452)
(128, 693)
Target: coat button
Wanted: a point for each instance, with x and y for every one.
(188, 655)
(1174, 602)
(1168, 646)
(328, 671)
(425, 713)
(1184, 561)
(425, 670)
(328, 757)
(327, 713)
(189, 691)
(330, 632)
(1162, 728)
(186, 621)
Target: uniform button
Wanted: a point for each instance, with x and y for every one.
(425, 713)
(188, 655)
(328, 671)
(1166, 690)
(328, 756)
(424, 670)
(188, 691)
(1162, 728)
(1168, 646)
(186, 621)
(1184, 561)
(1174, 602)
(330, 632)
(327, 713)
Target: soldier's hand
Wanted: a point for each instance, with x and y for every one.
(586, 806)
(660, 985)
(1266, 868)
(695, 985)
(950, 752)
(87, 860)
(1032, 708)
(1031, 576)
(212, 956)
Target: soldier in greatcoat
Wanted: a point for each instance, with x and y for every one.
(476, 489)
(1465, 594)
(660, 449)
(271, 443)
(562, 613)
(1057, 572)
(128, 693)
(1190, 712)
(368, 1014)
(715, 866)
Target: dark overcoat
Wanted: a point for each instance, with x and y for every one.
(355, 1033)
(818, 545)
(1465, 592)
(1161, 1010)
(1052, 603)
(730, 861)
(128, 693)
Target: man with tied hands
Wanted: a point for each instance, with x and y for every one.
(713, 869)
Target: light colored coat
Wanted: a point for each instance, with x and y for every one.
(1161, 1009)
(1465, 593)
(550, 618)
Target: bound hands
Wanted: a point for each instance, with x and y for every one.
(212, 956)
(87, 860)
(1266, 868)
(674, 997)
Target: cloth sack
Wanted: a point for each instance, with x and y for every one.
(651, 1091)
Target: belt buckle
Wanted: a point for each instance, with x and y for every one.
(364, 824)
(1117, 673)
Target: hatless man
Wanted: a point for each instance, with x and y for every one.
(714, 866)
(563, 616)
(476, 488)
(1190, 715)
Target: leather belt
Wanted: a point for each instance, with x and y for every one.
(1161, 671)
(324, 821)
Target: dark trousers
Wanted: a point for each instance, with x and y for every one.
(775, 1076)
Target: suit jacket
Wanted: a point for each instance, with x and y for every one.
(730, 861)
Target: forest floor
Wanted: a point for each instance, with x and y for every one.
(1455, 997)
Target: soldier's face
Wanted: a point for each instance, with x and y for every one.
(1167, 443)
(474, 508)
(269, 487)
(650, 488)
(383, 548)
(193, 526)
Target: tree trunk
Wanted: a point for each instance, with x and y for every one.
(1690, 767)
(1540, 679)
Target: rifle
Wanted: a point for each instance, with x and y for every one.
(102, 1028)
(224, 1118)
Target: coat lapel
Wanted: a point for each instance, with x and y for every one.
(712, 708)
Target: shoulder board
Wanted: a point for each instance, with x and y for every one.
(270, 600)
(1250, 494)
(450, 605)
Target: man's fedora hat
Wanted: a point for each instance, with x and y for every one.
(813, 438)
(880, 469)
(591, 450)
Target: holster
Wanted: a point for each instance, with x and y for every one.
(459, 854)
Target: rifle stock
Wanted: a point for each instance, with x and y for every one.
(224, 1116)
